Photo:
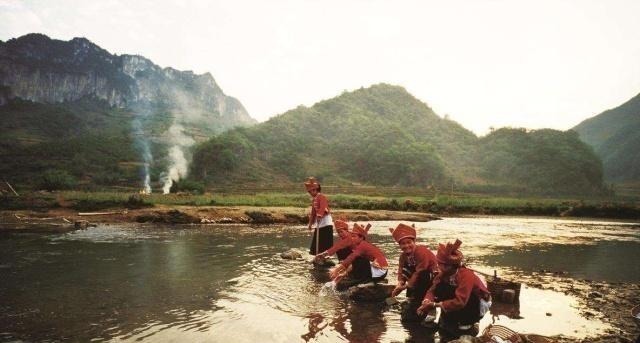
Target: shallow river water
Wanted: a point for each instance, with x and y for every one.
(229, 284)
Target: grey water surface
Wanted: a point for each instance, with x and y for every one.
(227, 283)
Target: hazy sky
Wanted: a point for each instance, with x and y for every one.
(487, 63)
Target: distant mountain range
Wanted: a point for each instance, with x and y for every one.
(104, 118)
(615, 136)
(37, 68)
(382, 135)
(73, 111)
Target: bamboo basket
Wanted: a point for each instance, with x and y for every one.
(497, 285)
(500, 331)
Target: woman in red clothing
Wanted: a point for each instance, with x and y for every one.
(361, 251)
(416, 270)
(320, 217)
(461, 295)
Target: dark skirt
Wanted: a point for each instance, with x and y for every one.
(325, 239)
(415, 294)
(470, 314)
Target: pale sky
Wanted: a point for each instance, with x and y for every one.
(534, 64)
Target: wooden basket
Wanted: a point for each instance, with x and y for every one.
(500, 331)
(497, 285)
(634, 313)
(530, 338)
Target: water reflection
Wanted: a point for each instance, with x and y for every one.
(228, 283)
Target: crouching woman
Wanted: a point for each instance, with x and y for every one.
(462, 296)
(416, 269)
(377, 266)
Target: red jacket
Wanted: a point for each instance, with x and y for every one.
(341, 244)
(466, 282)
(319, 206)
(422, 258)
(368, 251)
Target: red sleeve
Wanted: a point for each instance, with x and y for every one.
(401, 263)
(312, 215)
(343, 243)
(323, 205)
(425, 260)
(354, 254)
(430, 293)
(466, 280)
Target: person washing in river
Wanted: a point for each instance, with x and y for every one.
(416, 269)
(320, 218)
(360, 268)
(377, 269)
(461, 295)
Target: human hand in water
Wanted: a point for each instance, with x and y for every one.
(426, 306)
(401, 286)
(336, 271)
(320, 256)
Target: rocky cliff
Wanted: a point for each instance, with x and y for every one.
(36, 68)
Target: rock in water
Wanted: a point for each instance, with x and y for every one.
(81, 224)
(291, 254)
(370, 292)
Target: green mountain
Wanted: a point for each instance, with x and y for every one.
(73, 108)
(615, 136)
(541, 161)
(382, 135)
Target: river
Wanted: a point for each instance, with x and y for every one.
(227, 283)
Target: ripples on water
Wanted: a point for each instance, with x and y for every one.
(228, 283)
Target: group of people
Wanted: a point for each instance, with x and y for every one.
(431, 280)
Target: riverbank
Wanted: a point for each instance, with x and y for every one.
(605, 301)
(65, 219)
(454, 204)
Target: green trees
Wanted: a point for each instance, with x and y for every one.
(384, 136)
(55, 179)
(544, 161)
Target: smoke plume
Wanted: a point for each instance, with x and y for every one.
(178, 163)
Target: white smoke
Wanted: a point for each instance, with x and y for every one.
(178, 164)
(142, 145)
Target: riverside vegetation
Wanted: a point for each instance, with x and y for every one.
(363, 198)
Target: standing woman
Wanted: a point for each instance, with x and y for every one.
(320, 217)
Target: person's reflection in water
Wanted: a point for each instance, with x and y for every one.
(419, 333)
(316, 324)
(365, 320)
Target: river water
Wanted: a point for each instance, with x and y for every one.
(213, 283)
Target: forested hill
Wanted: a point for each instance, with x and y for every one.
(615, 136)
(74, 111)
(382, 135)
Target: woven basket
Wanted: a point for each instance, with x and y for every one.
(497, 285)
(634, 313)
(530, 338)
(500, 331)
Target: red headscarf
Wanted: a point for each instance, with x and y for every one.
(403, 231)
(449, 254)
(311, 183)
(340, 224)
(360, 230)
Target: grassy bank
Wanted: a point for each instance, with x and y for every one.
(444, 204)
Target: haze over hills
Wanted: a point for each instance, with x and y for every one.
(104, 119)
(382, 135)
(615, 136)
(73, 106)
